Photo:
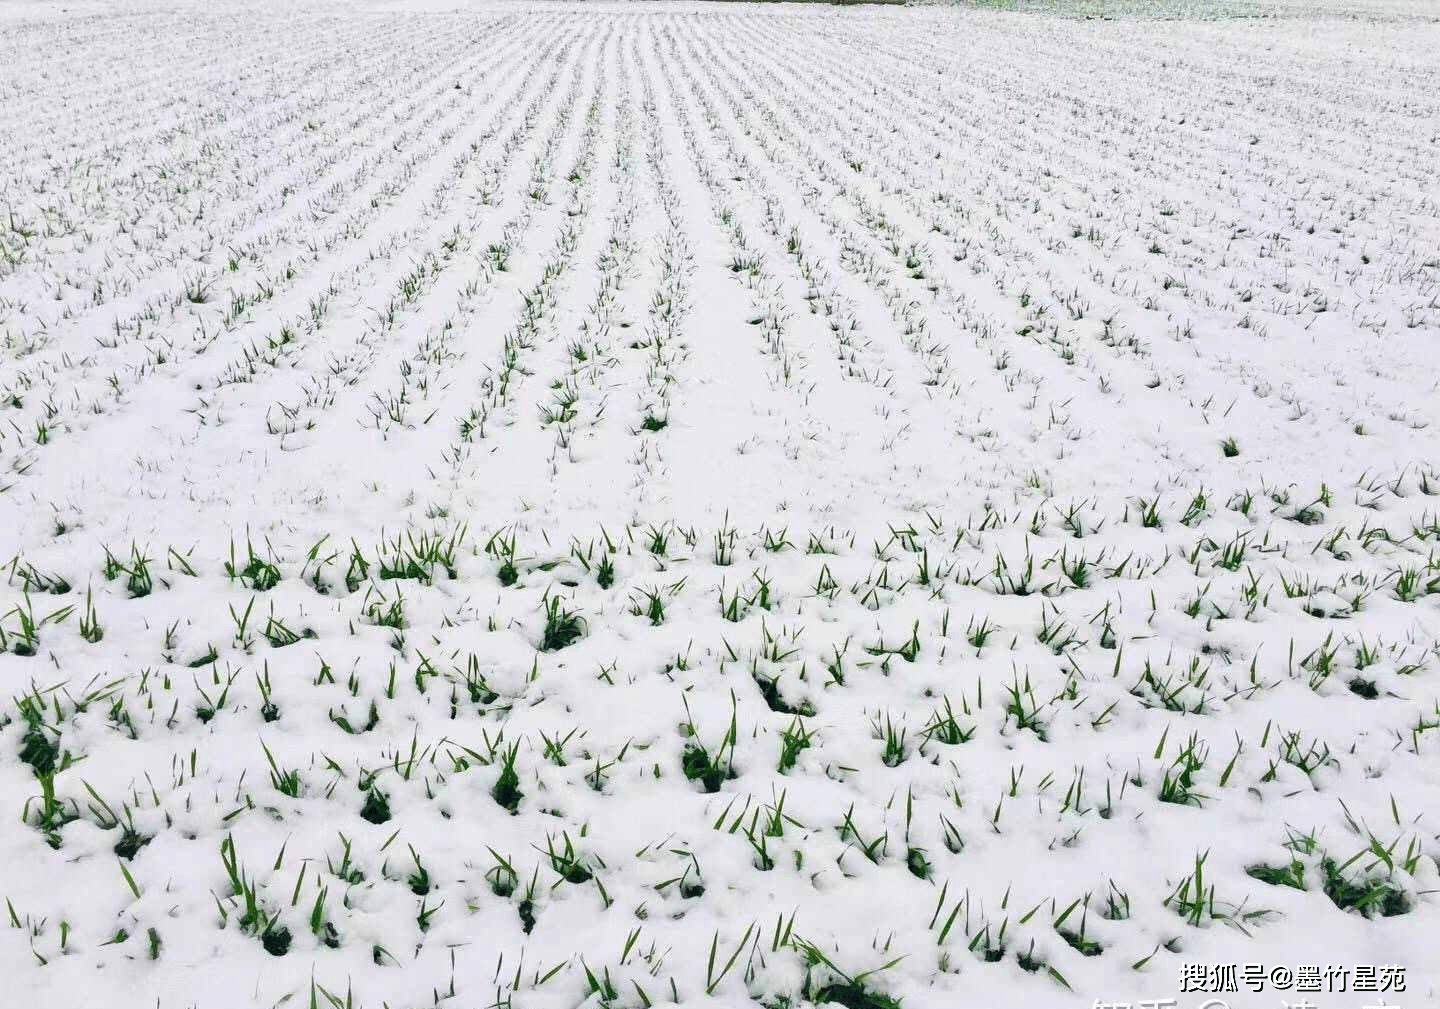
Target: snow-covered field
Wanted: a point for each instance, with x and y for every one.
(561, 505)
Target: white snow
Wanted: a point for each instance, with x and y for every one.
(880, 475)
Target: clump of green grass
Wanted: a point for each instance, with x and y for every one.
(383, 612)
(796, 738)
(138, 580)
(1195, 901)
(1370, 896)
(376, 808)
(894, 737)
(506, 790)
(1178, 785)
(649, 603)
(418, 556)
(255, 572)
(40, 743)
(90, 628)
(943, 727)
(131, 841)
(502, 875)
(1361, 687)
(565, 862)
(1076, 938)
(255, 919)
(563, 627)
(710, 768)
(502, 548)
(824, 982)
(1291, 874)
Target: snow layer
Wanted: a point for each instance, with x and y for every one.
(567, 505)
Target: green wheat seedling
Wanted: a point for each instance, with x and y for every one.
(1194, 900)
(894, 739)
(1022, 708)
(650, 604)
(48, 812)
(255, 573)
(138, 580)
(212, 706)
(943, 727)
(506, 790)
(254, 918)
(563, 626)
(825, 982)
(285, 781)
(502, 548)
(90, 627)
(1178, 784)
(24, 639)
(710, 768)
(564, 861)
(34, 581)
